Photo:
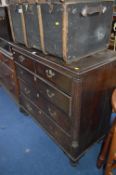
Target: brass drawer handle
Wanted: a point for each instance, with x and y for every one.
(35, 78)
(50, 73)
(53, 114)
(38, 95)
(27, 91)
(40, 112)
(21, 58)
(50, 94)
(29, 108)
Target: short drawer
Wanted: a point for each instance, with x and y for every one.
(55, 96)
(61, 137)
(25, 75)
(60, 80)
(24, 61)
(29, 90)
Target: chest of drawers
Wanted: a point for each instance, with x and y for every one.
(70, 102)
(8, 72)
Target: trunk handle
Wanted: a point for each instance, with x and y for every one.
(51, 5)
(89, 11)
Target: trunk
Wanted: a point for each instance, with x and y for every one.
(67, 29)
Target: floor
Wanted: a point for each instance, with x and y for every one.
(26, 150)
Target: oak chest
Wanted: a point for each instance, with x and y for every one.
(71, 102)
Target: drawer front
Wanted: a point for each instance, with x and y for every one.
(10, 85)
(8, 61)
(25, 75)
(4, 70)
(61, 81)
(24, 61)
(46, 123)
(29, 90)
(8, 78)
(59, 99)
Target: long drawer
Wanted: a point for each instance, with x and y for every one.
(55, 96)
(53, 129)
(59, 80)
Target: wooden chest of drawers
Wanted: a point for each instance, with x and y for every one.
(71, 102)
(8, 71)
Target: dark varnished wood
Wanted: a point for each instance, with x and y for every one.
(8, 74)
(89, 90)
(52, 111)
(24, 74)
(87, 84)
(59, 80)
(53, 95)
(24, 61)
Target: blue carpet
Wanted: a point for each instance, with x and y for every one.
(26, 150)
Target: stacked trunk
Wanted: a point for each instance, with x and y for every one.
(67, 29)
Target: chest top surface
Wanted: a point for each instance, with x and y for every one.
(79, 67)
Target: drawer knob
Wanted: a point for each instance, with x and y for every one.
(52, 113)
(38, 95)
(29, 108)
(75, 144)
(27, 91)
(35, 78)
(50, 73)
(39, 112)
(21, 58)
(50, 94)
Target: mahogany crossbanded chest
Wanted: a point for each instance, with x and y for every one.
(71, 102)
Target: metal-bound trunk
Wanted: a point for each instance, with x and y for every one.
(67, 29)
(76, 29)
(31, 14)
(17, 23)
